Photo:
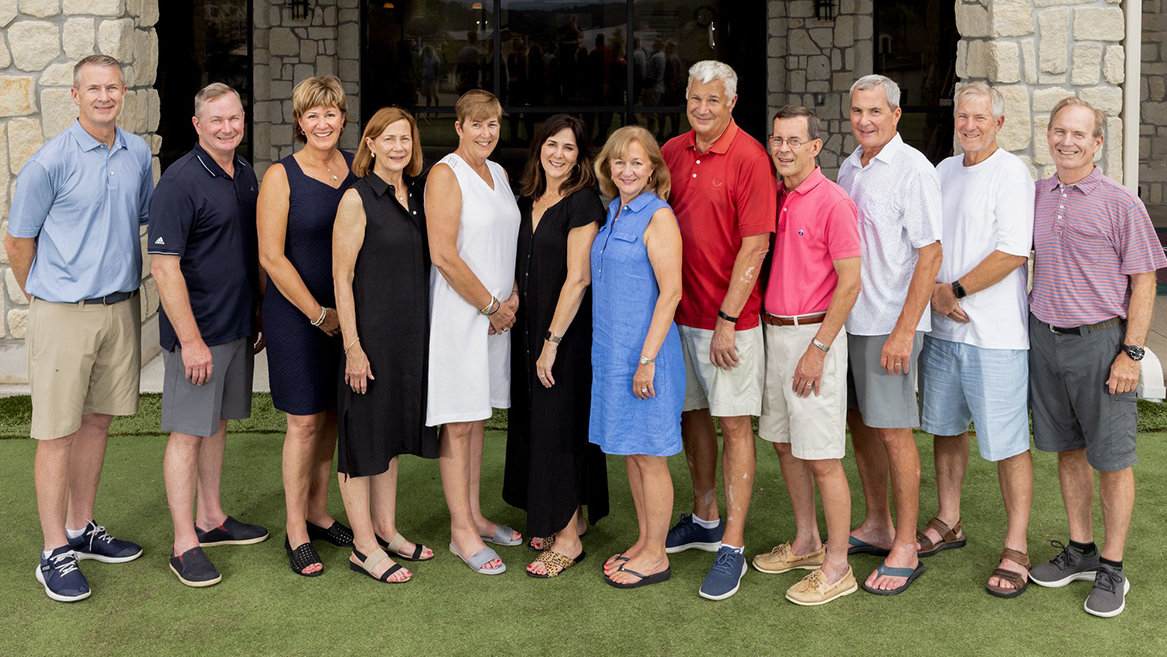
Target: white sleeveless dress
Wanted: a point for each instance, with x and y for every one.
(469, 371)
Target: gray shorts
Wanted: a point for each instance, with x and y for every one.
(886, 401)
(197, 410)
(1072, 408)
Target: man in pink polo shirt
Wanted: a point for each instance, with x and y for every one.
(1095, 256)
(723, 196)
(812, 284)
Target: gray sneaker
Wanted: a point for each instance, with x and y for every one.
(1068, 566)
(1108, 598)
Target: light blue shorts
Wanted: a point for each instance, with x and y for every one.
(960, 383)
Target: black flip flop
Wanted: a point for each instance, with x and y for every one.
(337, 534)
(645, 580)
(858, 546)
(888, 571)
(302, 557)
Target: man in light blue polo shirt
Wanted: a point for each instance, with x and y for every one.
(73, 243)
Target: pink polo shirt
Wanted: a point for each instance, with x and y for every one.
(817, 225)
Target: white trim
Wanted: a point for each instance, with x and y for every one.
(1133, 50)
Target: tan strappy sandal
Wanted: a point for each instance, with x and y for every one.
(1019, 581)
(948, 538)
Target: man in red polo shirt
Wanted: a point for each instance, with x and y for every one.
(724, 197)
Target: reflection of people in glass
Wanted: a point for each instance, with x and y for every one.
(639, 68)
(430, 65)
(674, 86)
(518, 84)
(553, 87)
(468, 64)
(596, 72)
(654, 83)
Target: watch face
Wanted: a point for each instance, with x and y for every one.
(1135, 353)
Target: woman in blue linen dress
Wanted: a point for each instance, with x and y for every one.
(638, 372)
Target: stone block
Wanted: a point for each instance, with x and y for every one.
(1085, 64)
(1054, 27)
(24, 138)
(800, 8)
(77, 36)
(1114, 65)
(15, 295)
(1050, 3)
(18, 323)
(1113, 148)
(350, 69)
(58, 111)
(863, 27)
(818, 68)
(149, 15)
(95, 7)
(155, 142)
(1045, 99)
(307, 50)
(1099, 24)
(16, 95)
(153, 109)
(8, 11)
(150, 292)
(1040, 142)
(823, 36)
(844, 31)
(1106, 99)
(146, 57)
(116, 39)
(977, 62)
(800, 43)
(1011, 18)
(282, 42)
(303, 72)
(40, 8)
(1004, 62)
(972, 21)
(962, 59)
(325, 65)
(348, 41)
(1015, 133)
(34, 44)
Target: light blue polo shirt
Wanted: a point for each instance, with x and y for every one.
(84, 203)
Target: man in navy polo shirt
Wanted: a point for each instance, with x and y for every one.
(205, 259)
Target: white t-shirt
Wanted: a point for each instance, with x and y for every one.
(898, 196)
(987, 207)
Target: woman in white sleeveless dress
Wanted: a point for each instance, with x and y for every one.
(473, 224)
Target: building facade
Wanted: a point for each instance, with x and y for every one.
(611, 61)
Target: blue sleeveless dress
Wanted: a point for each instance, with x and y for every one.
(302, 362)
(624, 294)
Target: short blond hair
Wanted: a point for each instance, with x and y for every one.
(104, 61)
(212, 92)
(477, 104)
(1099, 117)
(386, 116)
(320, 91)
(617, 146)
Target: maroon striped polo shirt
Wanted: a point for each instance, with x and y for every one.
(1088, 238)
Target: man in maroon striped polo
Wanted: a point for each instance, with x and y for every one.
(1095, 256)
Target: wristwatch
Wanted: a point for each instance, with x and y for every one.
(645, 360)
(551, 337)
(818, 343)
(958, 290)
(1133, 352)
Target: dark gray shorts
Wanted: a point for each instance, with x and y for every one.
(1072, 408)
(886, 401)
(196, 410)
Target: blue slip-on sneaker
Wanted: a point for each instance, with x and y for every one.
(725, 577)
(231, 532)
(61, 576)
(99, 545)
(193, 568)
(688, 535)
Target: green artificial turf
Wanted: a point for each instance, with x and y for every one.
(260, 607)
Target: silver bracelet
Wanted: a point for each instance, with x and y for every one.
(320, 319)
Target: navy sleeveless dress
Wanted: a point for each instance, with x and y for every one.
(302, 362)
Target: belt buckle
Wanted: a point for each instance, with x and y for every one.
(1053, 329)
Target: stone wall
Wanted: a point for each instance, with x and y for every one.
(1037, 52)
(287, 50)
(40, 41)
(812, 60)
(1153, 94)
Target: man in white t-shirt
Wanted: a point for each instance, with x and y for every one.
(974, 364)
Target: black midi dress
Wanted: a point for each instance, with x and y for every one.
(391, 298)
(550, 465)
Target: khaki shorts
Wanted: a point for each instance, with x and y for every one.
(82, 359)
(735, 392)
(815, 426)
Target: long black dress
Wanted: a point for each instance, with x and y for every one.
(550, 466)
(391, 298)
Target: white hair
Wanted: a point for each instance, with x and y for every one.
(980, 90)
(709, 70)
(890, 88)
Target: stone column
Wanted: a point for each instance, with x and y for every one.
(1153, 93)
(40, 41)
(1037, 52)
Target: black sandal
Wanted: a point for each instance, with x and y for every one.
(337, 534)
(303, 557)
(369, 563)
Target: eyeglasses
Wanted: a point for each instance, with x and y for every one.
(794, 142)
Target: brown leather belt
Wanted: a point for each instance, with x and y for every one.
(777, 320)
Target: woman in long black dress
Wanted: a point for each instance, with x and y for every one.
(380, 260)
(551, 468)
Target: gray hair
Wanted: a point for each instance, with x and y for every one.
(709, 70)
(97, 60)
(890, 88)
(814, 126)
(211, 92)
(1074, 101)
(980, 90)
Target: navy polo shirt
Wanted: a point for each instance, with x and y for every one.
(207, 218)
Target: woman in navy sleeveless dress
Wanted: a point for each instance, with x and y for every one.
(297, 207)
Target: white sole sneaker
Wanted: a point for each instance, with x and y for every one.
(57, 596)
(89, 556)
(727, 594)
(1085, 576)
(704, 547)
(1109, 614)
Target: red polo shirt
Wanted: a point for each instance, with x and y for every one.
(719, 197)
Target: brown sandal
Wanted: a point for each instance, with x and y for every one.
(948, 538)
(555, 563)
(1020, 582)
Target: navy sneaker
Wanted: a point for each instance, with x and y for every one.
(725, 577)
(195, 569)
(231, 532)
(61, 576)
(97, 544)
(688, 535)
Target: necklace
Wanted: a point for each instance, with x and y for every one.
(334, 178)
